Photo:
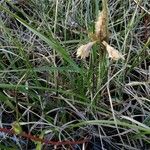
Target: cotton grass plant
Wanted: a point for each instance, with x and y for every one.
(101, 36)
(100, 101)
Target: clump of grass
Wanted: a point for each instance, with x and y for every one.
(56, 96)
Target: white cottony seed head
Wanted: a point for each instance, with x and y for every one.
(112, 52)
(84, 50)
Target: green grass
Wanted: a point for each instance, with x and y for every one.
(52, 93)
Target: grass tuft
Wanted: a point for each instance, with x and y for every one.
(56, 96)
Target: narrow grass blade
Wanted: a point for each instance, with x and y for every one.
(50, 41)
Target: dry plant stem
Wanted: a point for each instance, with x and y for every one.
(138, 3)
(43, 141)
(54, 52)
(111, 105)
